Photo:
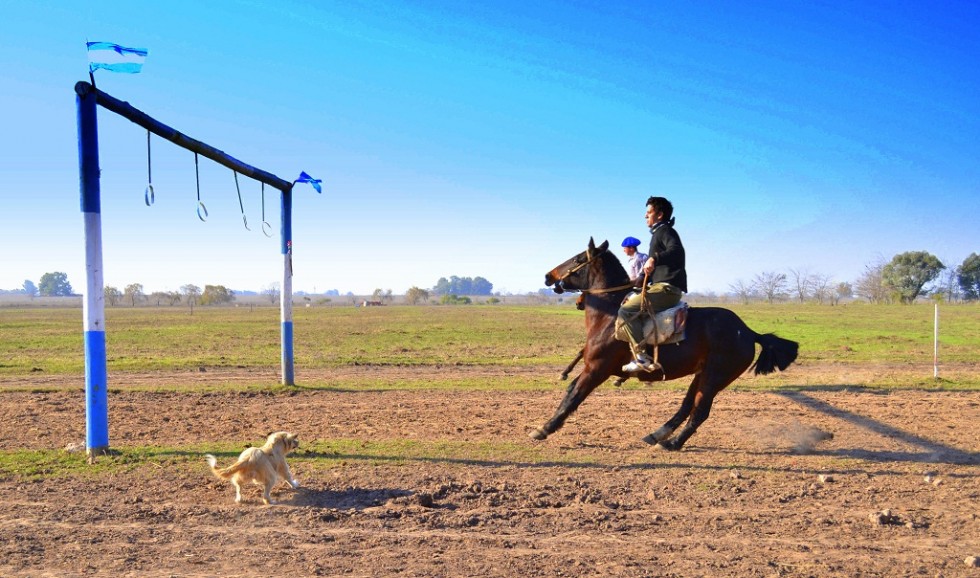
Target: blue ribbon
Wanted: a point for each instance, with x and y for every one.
(305, 178)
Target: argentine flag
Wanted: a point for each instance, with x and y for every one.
(115, 58)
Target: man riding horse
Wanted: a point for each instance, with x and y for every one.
(665, 277)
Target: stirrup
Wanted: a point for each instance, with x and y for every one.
(639, 364)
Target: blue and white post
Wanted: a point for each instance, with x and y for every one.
(286, 296)
(96, 397)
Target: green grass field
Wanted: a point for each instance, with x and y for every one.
(171, 338)
(48, 341)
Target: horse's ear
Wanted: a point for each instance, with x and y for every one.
(603, 246)
(591, 245)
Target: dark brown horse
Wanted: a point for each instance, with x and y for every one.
(718, 348)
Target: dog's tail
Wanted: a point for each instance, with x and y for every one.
(223, 473)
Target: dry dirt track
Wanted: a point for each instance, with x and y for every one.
(746, 498)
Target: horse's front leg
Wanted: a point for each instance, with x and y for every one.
(578, 390)
(571, 366)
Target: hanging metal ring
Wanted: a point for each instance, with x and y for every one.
(200, 204)
(148, 196)
(266, 227)
(240, 205)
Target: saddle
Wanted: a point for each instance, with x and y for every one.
(667, 326)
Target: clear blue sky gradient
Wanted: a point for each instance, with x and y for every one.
(494, 138)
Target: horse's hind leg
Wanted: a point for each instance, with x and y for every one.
(682, 414)
(702, 408)
(709, 386)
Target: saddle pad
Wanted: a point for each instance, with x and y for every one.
(666, 326)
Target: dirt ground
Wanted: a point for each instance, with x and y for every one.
(756, 492)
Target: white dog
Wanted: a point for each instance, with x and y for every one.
(264, 466)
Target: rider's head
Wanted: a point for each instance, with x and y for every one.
(661, 205)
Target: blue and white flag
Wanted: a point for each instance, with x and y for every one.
(115, 58)
(305, 178)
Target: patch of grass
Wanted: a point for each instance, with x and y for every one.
(314, 456)
(145, 339)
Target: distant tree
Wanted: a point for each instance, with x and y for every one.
(482, 287)
(907, 273)
(842, 291)
(741, 290)
(455, 300)
(191, 293)
(272, 292)
(55, 285)
(112, 295)
(822, 289)
(803, 283)
(216, 295)
(968, 274)
(30, 289)
(947, 289)
(441, 287)
(493, 301)
(388, 297)
(377, 295)
(771, 285)
(134, 292)
(871, 285)
(414, 295)
(158, 298)
(462, 286)
(173, 297)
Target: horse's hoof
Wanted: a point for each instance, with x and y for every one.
(669, 445)
(537, 434)
(661, 434)
(650, 439)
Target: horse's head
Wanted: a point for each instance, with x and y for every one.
(572, 274)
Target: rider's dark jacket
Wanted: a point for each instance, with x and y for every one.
(668, 252)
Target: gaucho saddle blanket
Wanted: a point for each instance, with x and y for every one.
(667, 326)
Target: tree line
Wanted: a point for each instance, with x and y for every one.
(904, 279)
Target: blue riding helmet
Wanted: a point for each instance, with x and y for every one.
(631, 242)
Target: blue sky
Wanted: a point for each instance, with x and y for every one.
(493, 139)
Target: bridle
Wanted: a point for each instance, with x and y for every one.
(581, 266)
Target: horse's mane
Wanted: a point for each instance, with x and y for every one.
(613, 270)
(614, 275)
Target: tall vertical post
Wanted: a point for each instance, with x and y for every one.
(935, 344)
(96, 397)
(286, 295)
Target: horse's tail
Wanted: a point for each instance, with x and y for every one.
(777, 353)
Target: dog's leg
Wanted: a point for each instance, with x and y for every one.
(283, 471)
(289, 476)
(238, 490)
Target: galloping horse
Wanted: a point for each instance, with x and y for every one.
(717, 349)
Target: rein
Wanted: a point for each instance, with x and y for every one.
(608, 289)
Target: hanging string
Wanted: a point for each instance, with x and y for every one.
(200, 205)
(266, 227)
(148, 195)
(240, 205)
